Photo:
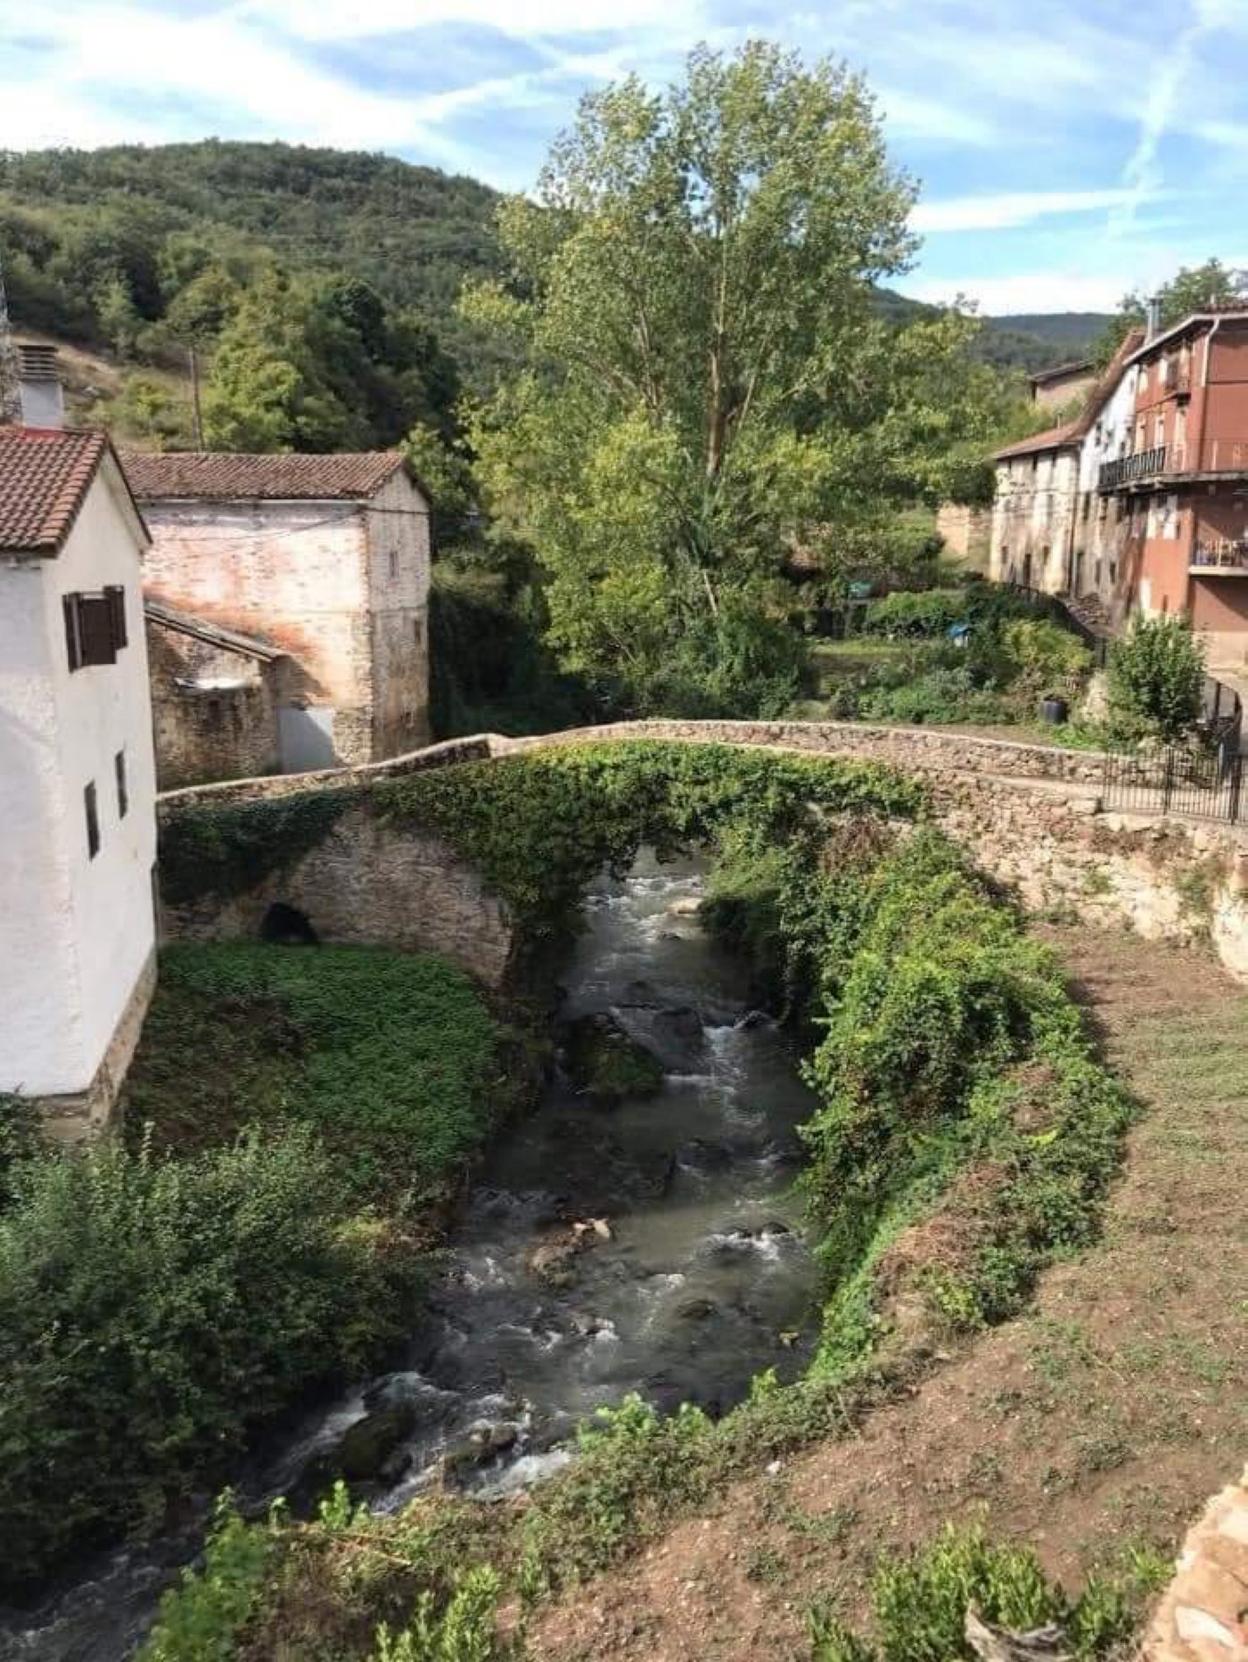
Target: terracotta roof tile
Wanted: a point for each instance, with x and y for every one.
(44, 476)
(1053, 438)
(222, 476)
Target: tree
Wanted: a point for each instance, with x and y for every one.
(268, 389)
(709, 381)
(1156, 676)
(1193, 289)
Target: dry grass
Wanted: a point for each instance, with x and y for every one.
(1105, 1415)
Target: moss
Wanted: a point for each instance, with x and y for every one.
(604, 1064)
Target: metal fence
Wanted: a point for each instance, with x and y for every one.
(1205, 782)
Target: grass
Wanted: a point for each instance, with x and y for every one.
(392, 1058)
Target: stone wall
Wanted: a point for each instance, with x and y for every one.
(1030, 816)
(77, 1117)
(1202, 1614)
(369, 884)
(225, 727)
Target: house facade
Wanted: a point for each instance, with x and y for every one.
(77, 775)
(1053, 389)
(322, 559)
(1181, 485)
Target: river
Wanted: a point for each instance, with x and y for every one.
(689, 1275)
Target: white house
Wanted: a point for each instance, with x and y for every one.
(77, 775)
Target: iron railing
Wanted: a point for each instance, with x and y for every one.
(1204, 782)
(1143, 464)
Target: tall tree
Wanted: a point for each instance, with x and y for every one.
(1191, 289)
(708, 380)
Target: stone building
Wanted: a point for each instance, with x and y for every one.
(324, 560)
(1051, 530)
(967, 533)
(215, 700)
(77, 774)
(1054, 389)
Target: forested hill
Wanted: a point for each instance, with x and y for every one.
(412, 232)
(1029, 341)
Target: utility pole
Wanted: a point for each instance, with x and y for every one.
(197, 417)
(10, 393)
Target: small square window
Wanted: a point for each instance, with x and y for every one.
(91, 807)
(123, 792)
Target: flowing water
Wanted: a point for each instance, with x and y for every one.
(669, 1260)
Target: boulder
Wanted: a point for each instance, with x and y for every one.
(603, 1063)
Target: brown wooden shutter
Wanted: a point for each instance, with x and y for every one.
(116, 598)
(73, 634)
(95, 617)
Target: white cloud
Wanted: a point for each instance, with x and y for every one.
(917, 116)
(1010, 208)
(522, 19)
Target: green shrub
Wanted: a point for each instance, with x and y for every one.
(390, 1055)
(925, 614)
(464, 1632)
(939, 697)
(1046, 659)
(1156, 677)
(201, 1618)
(152, 1314)
(919, 1604)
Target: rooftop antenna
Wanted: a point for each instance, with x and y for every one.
(10, 392)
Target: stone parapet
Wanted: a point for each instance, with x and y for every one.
(1203, 1614)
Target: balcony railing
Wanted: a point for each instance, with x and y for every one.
(1144, 464)
(1221, 554)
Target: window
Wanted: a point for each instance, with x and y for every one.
(95, 627)
(394, 564)
(418, 631)
(123, 793)
(93, 820)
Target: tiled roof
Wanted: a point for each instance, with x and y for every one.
(44, 476)
(219, 476)
(1072, 432)
(1053, 438)
(1059, 372)
(215, 634)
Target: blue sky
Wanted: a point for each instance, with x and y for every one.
(1067, 151)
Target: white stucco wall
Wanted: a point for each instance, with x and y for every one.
(75, 933)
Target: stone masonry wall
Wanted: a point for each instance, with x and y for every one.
(368, 884)
(225, 731)
(1030, 815)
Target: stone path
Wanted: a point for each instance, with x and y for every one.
(1203, 1615)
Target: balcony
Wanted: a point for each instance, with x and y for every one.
(1129, 470)
(1223, 556)
(1216, 459)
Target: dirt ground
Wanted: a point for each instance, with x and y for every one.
(1104, 1416)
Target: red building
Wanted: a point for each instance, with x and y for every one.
(1182, 479)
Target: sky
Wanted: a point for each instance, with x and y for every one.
(1067, 150)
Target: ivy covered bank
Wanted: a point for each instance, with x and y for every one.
(965, 1135)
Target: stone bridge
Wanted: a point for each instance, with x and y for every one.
(1030, 815)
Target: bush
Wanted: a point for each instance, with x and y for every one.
(152, 1313)
(919, 1603)
(1156, 677)
(925, 614)
(201, 1618)
(1045, 658)
(391, 1057)
(940, 696)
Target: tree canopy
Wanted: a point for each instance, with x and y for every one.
(1190, 290)
(709, 386)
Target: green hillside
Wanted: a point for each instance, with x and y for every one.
(411, 232)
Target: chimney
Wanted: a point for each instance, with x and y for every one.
(1152, 325)
(39, 386)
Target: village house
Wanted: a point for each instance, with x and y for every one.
(1051, 527)
(288, 610)
(1055, 389)
(77, 774)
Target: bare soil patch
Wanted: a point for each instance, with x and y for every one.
(1104, 1416)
